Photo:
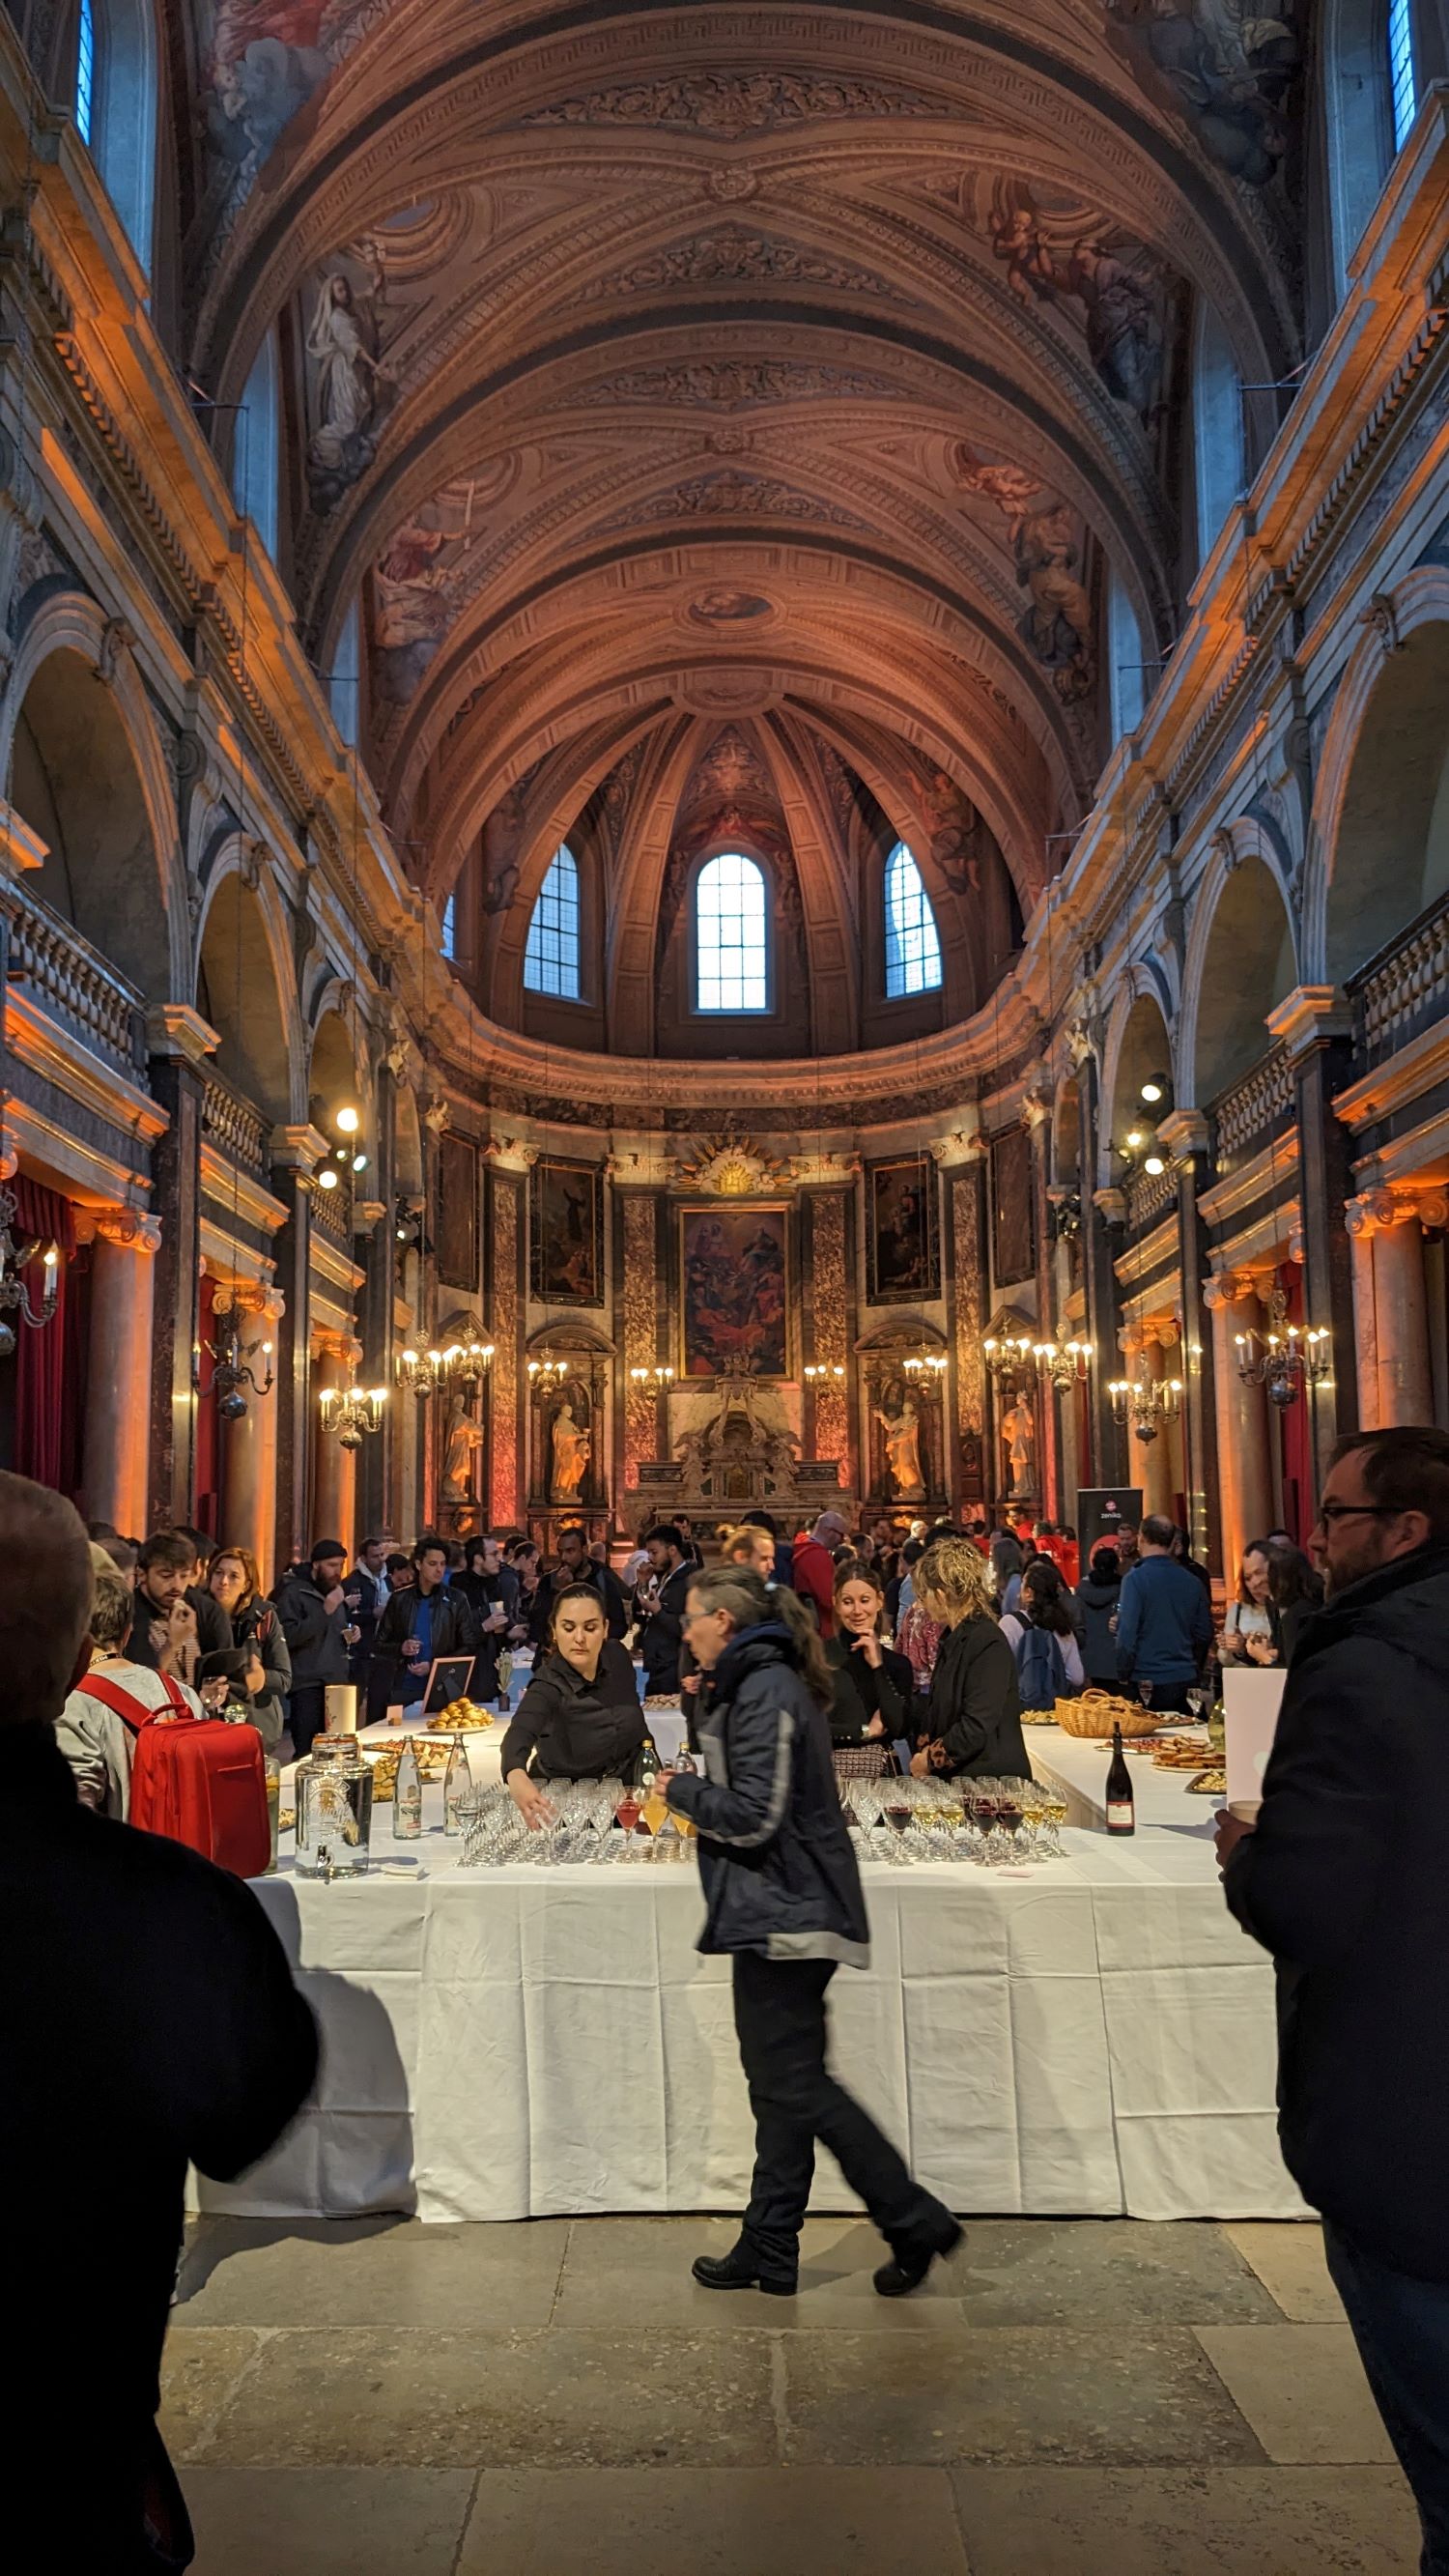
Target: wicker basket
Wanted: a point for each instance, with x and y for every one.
(1096, 1712)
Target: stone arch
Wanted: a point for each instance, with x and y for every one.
(246, 986)
(82, 759)
(333, 1076)
(1139, 1042)
(1236, 970)
(1379, 842)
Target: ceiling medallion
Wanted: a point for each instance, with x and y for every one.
(732, 187)
(724, 610)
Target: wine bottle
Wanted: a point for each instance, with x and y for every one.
(649, 1764)
(407, 1796)
(505, 1678)
(1121, 1811)
(457, 1785)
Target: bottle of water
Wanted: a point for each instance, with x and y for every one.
(407, 1797)
(457, 1785)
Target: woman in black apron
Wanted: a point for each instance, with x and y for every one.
(580, 1717)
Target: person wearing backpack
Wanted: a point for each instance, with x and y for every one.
(1043, 1640)
(94, 1730)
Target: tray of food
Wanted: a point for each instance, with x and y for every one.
(1212, 1783)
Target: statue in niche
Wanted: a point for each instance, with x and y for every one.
(571, 1447)
(463, 1443)
(1018, 1432)
(903, 1450)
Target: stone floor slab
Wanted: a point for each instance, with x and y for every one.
(1104, 2272)
(1200, 2522)
(448, 2400)
(371, 2271)
(1302, 2389)
(199, 2370)
(327, 2522)
(724, 2522)
(1022, 2393)
(1288, 2260)
(638, 2269)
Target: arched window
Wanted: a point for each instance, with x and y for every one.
(115, 107)
(256, 446)
(1217, 428)
(912, 948)
(551, 958)
(344, 680)
(450, 927)
(1125, 660)
(1403, 82)
(731, 943)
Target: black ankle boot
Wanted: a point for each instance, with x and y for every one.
(910, 2263)
(741, 2269)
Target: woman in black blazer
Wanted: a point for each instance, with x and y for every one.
(872, 1686)
(972, 1718)
(580, 1717)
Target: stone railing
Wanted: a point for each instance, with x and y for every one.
(332, 1211)
(233, 1128)
(1149, 1195)
(1255, 1109)
(74, 985)
(1406, 988)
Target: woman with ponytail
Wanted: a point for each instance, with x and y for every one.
(783, 1898)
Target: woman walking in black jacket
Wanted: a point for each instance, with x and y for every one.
(783, 1898)
(872, 1687)
(972, 1720)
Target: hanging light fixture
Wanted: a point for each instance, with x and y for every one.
(1146, 1402)
(548, 1372)
(231, 1367)
(821, 1373)
(1063, 1362)
(15, 1287)
(648, 1379)
(351, 1411)
(1008, 1356)
(927, 1369)
(1284, 1359)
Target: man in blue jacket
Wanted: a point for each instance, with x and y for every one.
(1164, 1623)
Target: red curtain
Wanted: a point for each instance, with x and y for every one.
(44, 1448)
(1295, 1426)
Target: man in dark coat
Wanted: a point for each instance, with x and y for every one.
(147, 2017)
(575, 1565)
(1343, 1879)
(312, 1608)
(427, 1619)
(662, 1635)
(165, 1592)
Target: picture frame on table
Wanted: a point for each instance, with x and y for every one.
(736, 1277)
(448, 1679)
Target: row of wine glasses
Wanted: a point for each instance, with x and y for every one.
(596, 1823)
(997, 1823)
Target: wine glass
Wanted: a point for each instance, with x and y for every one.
(1144, 1693)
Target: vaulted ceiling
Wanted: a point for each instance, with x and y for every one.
(655, 368)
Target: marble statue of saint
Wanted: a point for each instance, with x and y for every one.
(903, 1451)
(1018, 1431)
(464, 1440)
(571, 1446)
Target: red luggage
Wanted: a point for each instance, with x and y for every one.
(197, 1779)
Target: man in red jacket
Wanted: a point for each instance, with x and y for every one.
(813, 1571)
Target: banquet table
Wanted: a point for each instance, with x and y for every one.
(1091, 2035)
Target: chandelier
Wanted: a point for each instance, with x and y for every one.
(459, 1365)
(14, 1288)
(927, 1370)
(1284, 1359)
(231, 1366)
(350, 1411)
(1063, 1362)
(831, 1372)
(1006, 1356)
(550, 1371)
(1146, 1402)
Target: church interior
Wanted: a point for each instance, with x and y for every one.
(725, 757)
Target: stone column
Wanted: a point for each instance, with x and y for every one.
(507, 1497)
(1315, 1023)
(1359, 1227)
(1406, 1388)
(1156, 1455)
(827, 1335)
(1184, 1132)
(1036, 1112)
(296, 1153)
(373, 1222)
(179, 1042)
(968, 1462)
(123, 1276)
(1245, 1482)
(249, 1445)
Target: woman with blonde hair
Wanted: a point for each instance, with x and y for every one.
(973, 1714)
(783, 1900)
(234, 1579)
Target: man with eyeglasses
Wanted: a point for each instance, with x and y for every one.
(1345, 1879)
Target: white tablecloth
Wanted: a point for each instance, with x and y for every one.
(1094, 2036)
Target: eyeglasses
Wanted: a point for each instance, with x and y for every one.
(1328, 1513)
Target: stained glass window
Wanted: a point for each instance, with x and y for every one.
(912, 946)
(551, 958)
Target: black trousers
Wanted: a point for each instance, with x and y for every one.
(780, 2024)
(306, 1715)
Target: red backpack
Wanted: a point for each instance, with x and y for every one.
(197, 1779)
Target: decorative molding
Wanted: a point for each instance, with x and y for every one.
(727, 105)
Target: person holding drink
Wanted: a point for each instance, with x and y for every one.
(873, 1688)
(579, 1718)
(783, 1901)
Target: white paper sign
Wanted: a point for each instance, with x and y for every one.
(1251, 1701)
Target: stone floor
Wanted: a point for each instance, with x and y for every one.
(1067, 2399)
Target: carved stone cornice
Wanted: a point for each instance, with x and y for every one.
(174, 1029)
(1309, 1016)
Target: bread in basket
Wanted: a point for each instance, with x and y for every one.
(1096, 1712)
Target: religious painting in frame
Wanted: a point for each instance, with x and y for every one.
(566, 1233)
(1013, 1216)
(455, 1233)
(903, 1241)
(735, 1288)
